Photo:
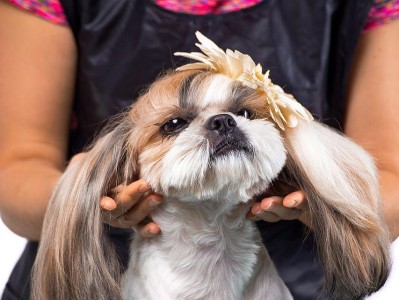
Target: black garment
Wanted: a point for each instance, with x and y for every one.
(125, 44)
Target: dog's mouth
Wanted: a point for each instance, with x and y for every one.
(228, 146)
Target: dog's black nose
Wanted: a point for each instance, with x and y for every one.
(222, 123)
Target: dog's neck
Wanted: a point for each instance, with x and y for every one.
(200, 216)
(204, 248)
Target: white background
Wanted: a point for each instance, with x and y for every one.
(11, 247)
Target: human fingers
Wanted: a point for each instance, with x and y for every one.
(297, 200)
(139, 212)
(257, 214)
(108, 205)
(271, 209)
(135, 215)
(124, 198)
(148, 230)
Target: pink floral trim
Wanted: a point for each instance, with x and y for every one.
(382, 12)
(50, 10)
(204, 7)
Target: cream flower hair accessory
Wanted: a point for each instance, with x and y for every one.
(283, 108)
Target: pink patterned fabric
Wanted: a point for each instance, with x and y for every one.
(50, 10)
(204, 7)
(383, 11)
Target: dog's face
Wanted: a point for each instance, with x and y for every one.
(201, 135)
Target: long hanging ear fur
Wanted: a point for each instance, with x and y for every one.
(341, 184)
(74, 259)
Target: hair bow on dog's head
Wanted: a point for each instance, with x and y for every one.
(283, 108)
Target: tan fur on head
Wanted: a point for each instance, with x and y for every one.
(75, 259)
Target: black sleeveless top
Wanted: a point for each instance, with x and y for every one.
(125, 44)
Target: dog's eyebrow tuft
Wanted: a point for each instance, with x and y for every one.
(185, 90)
(240, 93)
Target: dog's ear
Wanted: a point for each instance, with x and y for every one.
(341, 184)
(74, 259)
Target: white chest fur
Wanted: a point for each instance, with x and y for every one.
(204, 252)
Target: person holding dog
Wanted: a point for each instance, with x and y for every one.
(66, 72)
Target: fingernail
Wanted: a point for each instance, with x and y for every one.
(292, 203)
(144, 188)
(108, 204)
(269, 206)
(153, 232)
(153, 203)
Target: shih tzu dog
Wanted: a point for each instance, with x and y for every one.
(210, 137)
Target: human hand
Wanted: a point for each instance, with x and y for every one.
(274, 208)
(129, 206)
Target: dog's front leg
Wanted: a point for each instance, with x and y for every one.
(266, 284)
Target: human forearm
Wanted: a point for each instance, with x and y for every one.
(37, 68)
(372, 108)
(25, 188)
(390, 193)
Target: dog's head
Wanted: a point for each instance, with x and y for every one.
(200, 135)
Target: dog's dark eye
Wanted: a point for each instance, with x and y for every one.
(246, 113)
(174, 125)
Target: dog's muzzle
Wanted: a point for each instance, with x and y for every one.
(225, 137)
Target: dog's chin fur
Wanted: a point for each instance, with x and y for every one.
(223, 151)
